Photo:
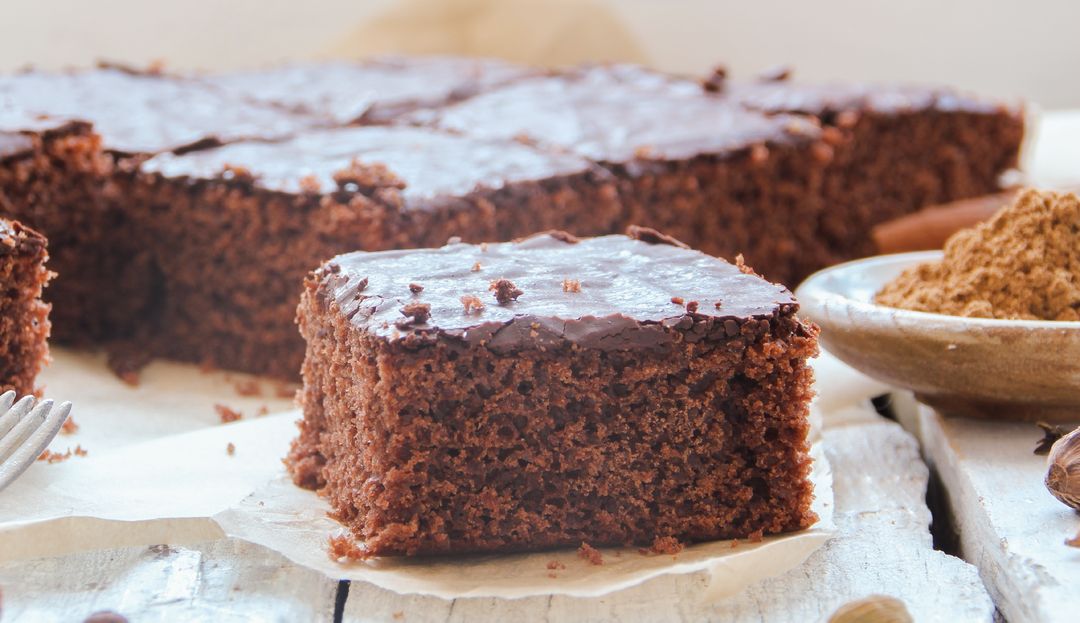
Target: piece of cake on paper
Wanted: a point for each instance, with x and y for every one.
(24, 318)
(550, 391)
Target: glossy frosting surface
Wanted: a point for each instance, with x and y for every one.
(373, 90)
(138, 113)
(618, 114)
(822, 99)
(624, 301)
(430, 164)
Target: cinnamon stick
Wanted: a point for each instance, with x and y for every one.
(930, 227)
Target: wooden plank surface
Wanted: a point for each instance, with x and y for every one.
(1009, 525)
(223, 581)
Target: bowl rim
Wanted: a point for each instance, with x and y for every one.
(813, 289)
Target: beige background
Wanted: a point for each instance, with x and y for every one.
(1025, 49)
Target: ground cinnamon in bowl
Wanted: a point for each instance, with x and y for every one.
(1024, 263)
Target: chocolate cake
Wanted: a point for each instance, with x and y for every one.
(24, 318)
(895, 149)
(258, 216)
(83, 134)
(55, 177)
(142, 112)
(449, 408)
(763, 169)
(182, 211)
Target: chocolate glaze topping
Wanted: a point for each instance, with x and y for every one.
(429, 164)
(624, 301)
(138, 113)
(824, 100)
(372, 91)
(618, 114)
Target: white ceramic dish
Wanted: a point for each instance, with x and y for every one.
(1006, 369)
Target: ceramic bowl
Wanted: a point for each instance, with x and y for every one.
(976, 367)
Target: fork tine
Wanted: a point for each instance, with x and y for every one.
(14, 414)
(23, 429)
(25, 456)
(7, 399)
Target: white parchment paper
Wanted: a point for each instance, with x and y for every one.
(185, 487)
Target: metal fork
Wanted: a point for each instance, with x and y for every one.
(25, 431)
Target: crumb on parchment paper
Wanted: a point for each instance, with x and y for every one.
(590, 553)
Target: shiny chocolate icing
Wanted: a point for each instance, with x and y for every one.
(618, 114)
(139, 112)
(632, 294)
(370, 91)
(428, 164)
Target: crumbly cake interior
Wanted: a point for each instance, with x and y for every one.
(24, 318)
(886, 165)
(60, 183)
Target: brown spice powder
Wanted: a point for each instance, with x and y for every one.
(1024, 263)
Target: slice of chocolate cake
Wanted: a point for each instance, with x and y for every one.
(55, 177)
(895, 149)
(373, 91)
(551, 391)
(235, 229)
(24, 318)
(733, 171)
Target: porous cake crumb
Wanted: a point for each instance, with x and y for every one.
(666, 545)
(342, 548)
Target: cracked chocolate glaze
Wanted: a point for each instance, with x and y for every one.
(139, 113)
(624, 302)
(619, 114)
(418, 157)
(375, 90)
(824, 100)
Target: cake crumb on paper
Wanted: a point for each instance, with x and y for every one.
(590, 553)
(227, 414)
(343, 548)
(230, 449)
(555, 565)
(69, 427)
(50, 456)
